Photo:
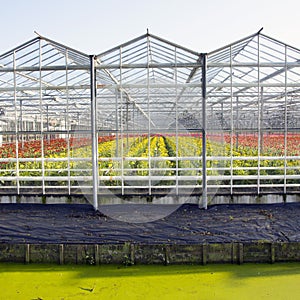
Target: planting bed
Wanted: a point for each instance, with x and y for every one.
(77, 234)
(38, 223)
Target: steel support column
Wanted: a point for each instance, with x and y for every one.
(94, 132)
(204, 179)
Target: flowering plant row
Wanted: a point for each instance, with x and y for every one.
(179, 155)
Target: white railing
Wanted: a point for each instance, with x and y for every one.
(222, 175)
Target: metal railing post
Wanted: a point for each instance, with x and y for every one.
(204, 179)
(94, 133)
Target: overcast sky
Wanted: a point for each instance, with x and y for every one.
(93, 26)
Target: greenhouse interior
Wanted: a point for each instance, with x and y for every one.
(150, 119)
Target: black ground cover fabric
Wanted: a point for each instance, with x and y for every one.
(79, 223)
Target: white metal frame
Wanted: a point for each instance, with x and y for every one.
(147, 87)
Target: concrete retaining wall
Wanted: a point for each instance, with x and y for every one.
(218, 199)
(129, 254)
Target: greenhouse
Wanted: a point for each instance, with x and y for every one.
(150, 119)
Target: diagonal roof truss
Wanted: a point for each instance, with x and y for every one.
(256, 75)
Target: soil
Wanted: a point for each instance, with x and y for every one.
(80, 223)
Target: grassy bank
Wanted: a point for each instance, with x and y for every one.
(249, 281)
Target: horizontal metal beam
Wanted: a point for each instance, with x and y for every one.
(152, 86)
(45, 68)
(152, 66)
(253, 84)
(100, 66)
(253, 64)
(48, 88)
(99, 86)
